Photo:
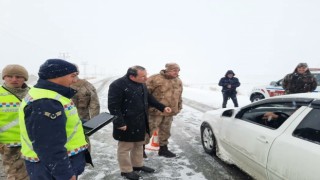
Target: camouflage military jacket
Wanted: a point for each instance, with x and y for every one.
(299, 83)
(166, 90)
(86, 99)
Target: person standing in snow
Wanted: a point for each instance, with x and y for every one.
(86, 100)
(128, 99)
(53, 140)
(12, 92)
(229, 85)
(300, 81)
(167, 88)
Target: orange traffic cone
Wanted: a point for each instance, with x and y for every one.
(154, 142)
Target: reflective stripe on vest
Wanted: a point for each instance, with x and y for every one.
(75, 136)
(9, 113)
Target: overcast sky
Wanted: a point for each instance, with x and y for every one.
(258, 39)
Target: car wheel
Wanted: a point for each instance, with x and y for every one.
(208, 139)
(256, 97)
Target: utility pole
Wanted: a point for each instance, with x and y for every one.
(64, 55)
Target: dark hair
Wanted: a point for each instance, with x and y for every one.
(133, 71)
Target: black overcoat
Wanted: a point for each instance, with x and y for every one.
(129, 101)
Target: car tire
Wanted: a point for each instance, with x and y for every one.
(207, 139)
(256, 97)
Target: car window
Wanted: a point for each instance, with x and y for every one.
(317, 76)
(309, 128)
(261, 114)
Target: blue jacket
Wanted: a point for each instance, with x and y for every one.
(49, 135)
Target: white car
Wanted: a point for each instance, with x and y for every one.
(275, 88)
(265, 148)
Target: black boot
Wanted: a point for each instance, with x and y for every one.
(163, 151)
(144, 152)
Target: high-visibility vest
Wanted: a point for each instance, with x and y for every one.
(9, 122)
(75, 136)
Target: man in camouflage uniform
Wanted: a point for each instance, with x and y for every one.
(300, 81)
(12, 92)
(167, 88)
(86, 101)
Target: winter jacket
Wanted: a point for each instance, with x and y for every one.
(86, 99)
(9, 113)
(49, 135)
(129, 101)
(299, 83)
(166, 90)
(225, 81)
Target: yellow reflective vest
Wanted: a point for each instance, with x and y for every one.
(75, 136)
(9, 122)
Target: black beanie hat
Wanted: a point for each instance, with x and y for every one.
(54, 68)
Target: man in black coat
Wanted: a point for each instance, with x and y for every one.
(229, 84)
(128, 99)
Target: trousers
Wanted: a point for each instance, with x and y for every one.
(130, 154)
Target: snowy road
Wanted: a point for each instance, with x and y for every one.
(193, 162)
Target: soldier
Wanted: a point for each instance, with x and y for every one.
(300, 81)
(86, 99)
(12, 92)
(167, 88)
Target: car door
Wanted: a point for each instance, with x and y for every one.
(248, 142)
(295, 154)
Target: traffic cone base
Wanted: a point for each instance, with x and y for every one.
(154, 142)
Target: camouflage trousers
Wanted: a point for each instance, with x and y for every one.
(13, 164)
(163, 124)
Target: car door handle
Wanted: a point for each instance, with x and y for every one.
(262, 139)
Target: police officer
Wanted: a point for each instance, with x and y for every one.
(53, 141)
(12, 91)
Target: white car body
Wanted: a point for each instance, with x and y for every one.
(290, 151)
(275, 88)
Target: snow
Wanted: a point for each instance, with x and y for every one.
(185, 141)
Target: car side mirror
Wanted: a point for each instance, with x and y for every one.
(228, 113)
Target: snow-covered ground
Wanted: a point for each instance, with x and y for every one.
(193, 162)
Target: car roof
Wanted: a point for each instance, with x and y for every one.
(300, 98)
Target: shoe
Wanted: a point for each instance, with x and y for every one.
(144, 169)
(163, 151)
(131, 175)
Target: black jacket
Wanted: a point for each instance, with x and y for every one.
(129, 101)
(225, 81)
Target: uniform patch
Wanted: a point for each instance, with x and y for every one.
(53, 115)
